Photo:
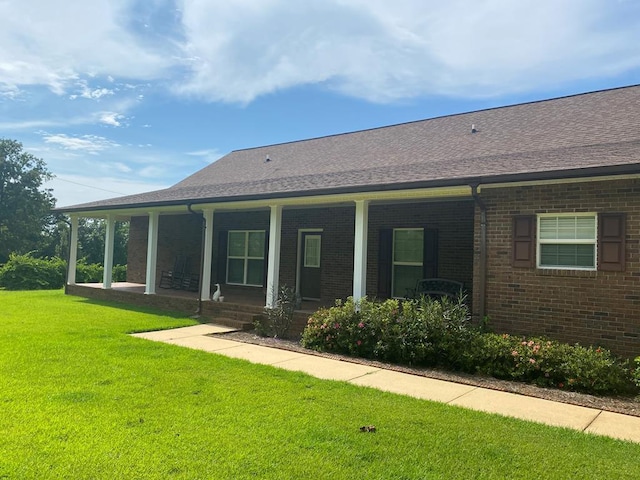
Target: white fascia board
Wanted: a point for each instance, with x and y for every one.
(373, 196)
(557, 181)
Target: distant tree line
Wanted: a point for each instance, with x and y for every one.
(28, 225)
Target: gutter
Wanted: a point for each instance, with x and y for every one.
(575, 173)
(204, 228)
(482, 274)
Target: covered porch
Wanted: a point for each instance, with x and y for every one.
(349, 245)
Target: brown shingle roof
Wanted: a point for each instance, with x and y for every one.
(587, 134)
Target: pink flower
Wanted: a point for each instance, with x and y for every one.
(358, 343)
(336, 326)
(514, 353)
(361, 325)
(532, 361)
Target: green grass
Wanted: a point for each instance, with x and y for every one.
(80, 399)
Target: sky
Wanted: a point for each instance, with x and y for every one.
(126, 96)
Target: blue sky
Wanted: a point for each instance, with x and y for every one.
(125, 96)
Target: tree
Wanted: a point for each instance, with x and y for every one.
(25, 207)
(91, 236)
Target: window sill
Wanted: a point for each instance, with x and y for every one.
(566, 272)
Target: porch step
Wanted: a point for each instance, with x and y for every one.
(232, 315)
(232, 323)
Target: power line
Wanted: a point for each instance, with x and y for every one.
(89, 186)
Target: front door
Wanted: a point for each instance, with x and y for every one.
(311, 243)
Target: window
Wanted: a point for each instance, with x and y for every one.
(312, 251)
(408, 247)
(245, 257)
(567, 241)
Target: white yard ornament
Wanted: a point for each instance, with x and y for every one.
(216, 294)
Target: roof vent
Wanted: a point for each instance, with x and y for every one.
(267, 160)
(473, 128)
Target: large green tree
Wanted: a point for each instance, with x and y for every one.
(25, 206)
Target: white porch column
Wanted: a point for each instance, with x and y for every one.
(73, 252)
(207, 259)
(152, 254)
(108, 252)
(273, 268)
(360, 250)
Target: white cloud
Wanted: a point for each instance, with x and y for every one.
(382, 50)
(208, 155)
(91, 144)
(238, 50)
(52, 42)
(85, 91)
(111, 118)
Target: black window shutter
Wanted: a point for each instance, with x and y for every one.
(385, 246)
(223, 238)
(266, 257)
(611, 242)
(430, 253)
(523, 251)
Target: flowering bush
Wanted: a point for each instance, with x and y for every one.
(550, 363)
(636, 372)
(421, 332)
(439, 333)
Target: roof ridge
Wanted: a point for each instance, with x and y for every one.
(451, 115)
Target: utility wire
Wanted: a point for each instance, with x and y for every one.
(89, 186)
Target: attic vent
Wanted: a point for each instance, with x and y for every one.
(473, 128)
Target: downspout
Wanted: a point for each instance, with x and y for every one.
(204, 228)
(482, 287)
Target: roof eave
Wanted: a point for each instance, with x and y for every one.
(580, 173)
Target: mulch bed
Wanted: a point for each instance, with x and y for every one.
(625, 405)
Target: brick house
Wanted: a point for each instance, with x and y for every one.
(535, 208)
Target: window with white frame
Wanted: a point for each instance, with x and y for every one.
(245, 257)
(408, 248)
(567, 241)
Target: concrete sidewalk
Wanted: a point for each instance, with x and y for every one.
(585, 419)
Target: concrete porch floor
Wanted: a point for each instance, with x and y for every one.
(234, 294)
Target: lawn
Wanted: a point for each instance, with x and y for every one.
(81, 399)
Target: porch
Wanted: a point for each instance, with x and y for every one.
(240, 308)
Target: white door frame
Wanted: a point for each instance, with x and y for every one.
(300, 247)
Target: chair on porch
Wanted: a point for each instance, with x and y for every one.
(436, 288)
(174, 278)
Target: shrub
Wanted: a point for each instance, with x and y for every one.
(94, 272)
(636, 372)
(430, 332)
(89, 273)
(279, 318)
(550, 363)
(119, 273)
(417, 332)
(23, 272)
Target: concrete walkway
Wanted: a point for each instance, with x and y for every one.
(588, 420)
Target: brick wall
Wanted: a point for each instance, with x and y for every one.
(177, 235)
(338, 227)
(589, 307)
(182, 234)
(452, 219)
